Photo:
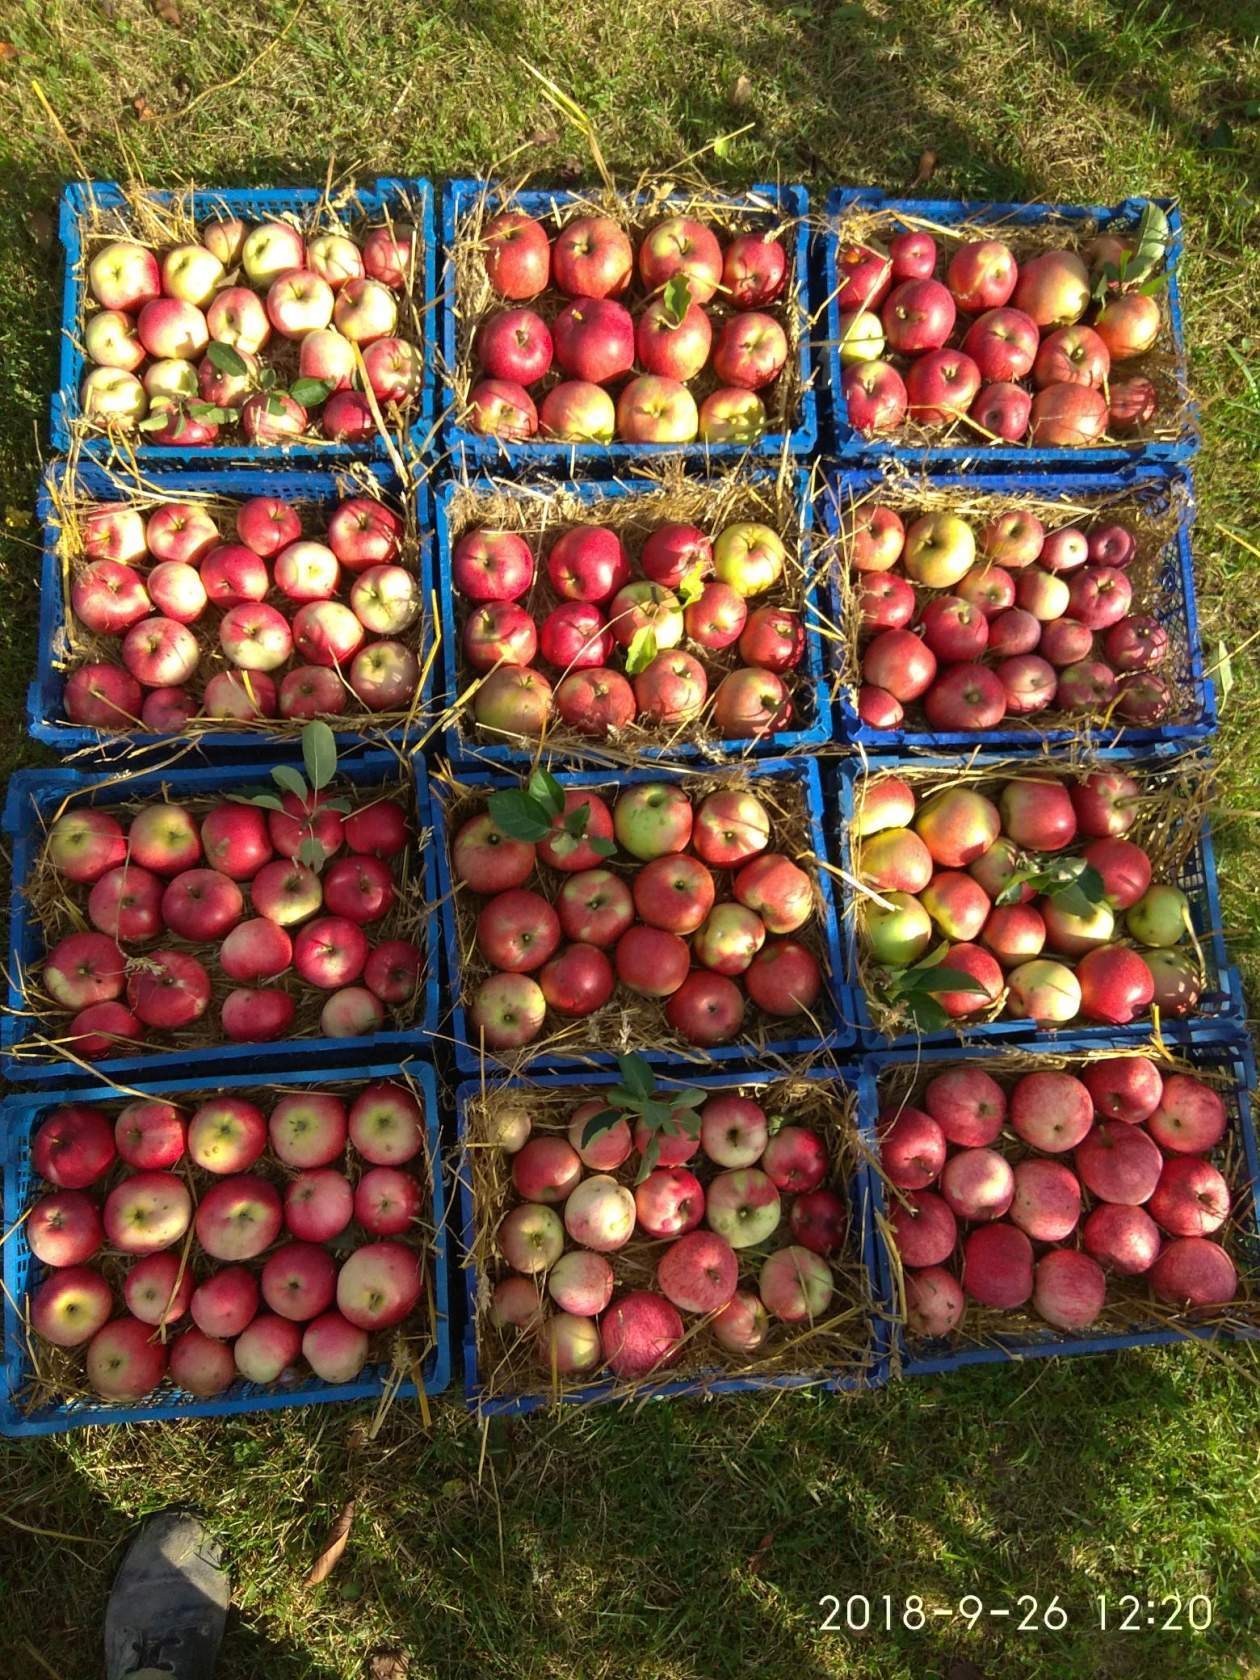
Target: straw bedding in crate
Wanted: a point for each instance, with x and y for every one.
(1176, 796)
(57, 908)
(1162, 364)
(635, 211)
(44, 1378)
(839, 1349)
(1152, 511)
(658, 494)
(1130, 1309)
(631, 1022)
(73, 644)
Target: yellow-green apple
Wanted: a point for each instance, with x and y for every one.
(384, 676)
(743, 1323)
(169, 328)
(651, 961)
(861, 338)
(795, 1159)
(1071, 935)
(935, 1303)
(507, 1010)
(1125, 1240)
(751, 349)
(599, 1213)
(329, 952)
(1072, 356)
(640, 1333)
(73, 1147)
(271, 417)
(883, 802)
(159, 1288)
(1053, 288)
(581, 1282)
(1192, 1272)
(1128, 325)
(796, 1285)
(918, 315)
(981, 275)
(147, 1212)
(653, 819)
(780, 892)
(911, 1148)
(531, 1238)
(669, 1201)
(389, 255)
(1003, 410)
(749, 557)
(84, 968)
(666, 346)
(675, 892)
(299, 1280)
(593, 340)
(749, 703)
(517, 701)
(109, 598)
(1003, 344)
(998, 1265)
(238, 318)
(517, 931)
(191, 273)
(651, 409)
(1190, 1117)
(319, 1203)
(335, 1349)
(334, 258)
(896, 936)
(202, 904)
(732, 414)
(351, 1012)
(754, 270)
(271, 249)
(924, 1230)
(733, 1130)
(588, 563)
(606, 1152)
(941, 386)
(123, 275)
(515, 344)
(256, 949)
(150, 1134)
(239, 1218)
(707, 1009)
(1160, 917)
(699, 1272)
(516, 254)
(307, 571)
(126, 904)
(1043, 991)
(716, 618)
(267, 1348)
(940, 550)
(113, 397)
(109, 337)
(124, 1361)
(595, 908)
(591, 257)
(1042, 593)
(84, 844)
(863, 274)
(783, 978)
(1070, 415)
(895, 860)
(226, 1302)
(575, 635)
(579, 412)
(681, 246)
(874, 397)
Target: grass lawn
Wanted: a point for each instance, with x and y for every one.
(686, 1540)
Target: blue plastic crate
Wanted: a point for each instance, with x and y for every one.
(409, 200)
(813, 695)
(1221, 1004)
(35, 797)
(45, 708)
(862, 1191)
(1077, 221)
(1225, 1052)
(1175, 607)
(764, 205)
(839, 1032)
(20, 1115)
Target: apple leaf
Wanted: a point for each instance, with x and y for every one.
(642, 650)
(268, 801)
(1153, 237)
(676, 298)
(600, 1123)
(692, 1097)
(938, 980)
(651, 1155)
(519, 816)
(544, 788)
(311, 392)
(267, 379)
(275, 406)
(691, 584)
(319, 753)
(926, 1013)
(285, 776)
(226, 359)
(636, 1074)
(602, 847)
(155, 422)
(312, 853)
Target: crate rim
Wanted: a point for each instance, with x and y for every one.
(851, 1073)
(485, 452)
(494, 754)
(850, 445)
(18, 1107)
(65, 405)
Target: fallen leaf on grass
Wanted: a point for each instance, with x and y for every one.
(927, 168)
(388, 1665)
(741, 93)
(758, 1558)
(144, 111)
(335, 1545)
(8, 52)
(168, 11)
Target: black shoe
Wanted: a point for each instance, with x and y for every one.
(169, 1602)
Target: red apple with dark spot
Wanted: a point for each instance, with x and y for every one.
(1087, 687)
(1002, 409)
(1143, 698)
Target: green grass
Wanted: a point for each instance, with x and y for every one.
(681, 1540)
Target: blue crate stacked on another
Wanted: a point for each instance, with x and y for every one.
(1221, 1003)
(834, 1023)
(19, 1117)
(812, 725)
(405, 200)
(972, 451)
(36, 797)
(1225, 1053)
(1155, 488)
(45, 707)
(862, 1193)
(762, 206)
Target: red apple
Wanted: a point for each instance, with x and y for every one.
(874, 397)
(516, 254)
(918, 315)
(1003, 344)
(981, 275)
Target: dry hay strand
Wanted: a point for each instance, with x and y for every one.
(159, 219)
(1129, 1307)
(658, 493)
(74, 644)
(1174, 420)
(629, 1022)
(58, 908)
(1176, 798)
(1155, 574)
(839, 1347)
(54, 1376)
(636, 210)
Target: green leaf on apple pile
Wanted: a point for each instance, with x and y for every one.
(275, 406)
(312, 853)
(267, 379)
(268, 801)
(544, 787)
(225, 358)
(213, 413)
(642, 650)
(691, 584)
(636, 1074)
(518, 815)
(155, 422)
(1153, 237)
(319, 753)
(286, 777)
(311, 392)
(676, 298)
(600, 1123)
(931, 976)
(1074, 885)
